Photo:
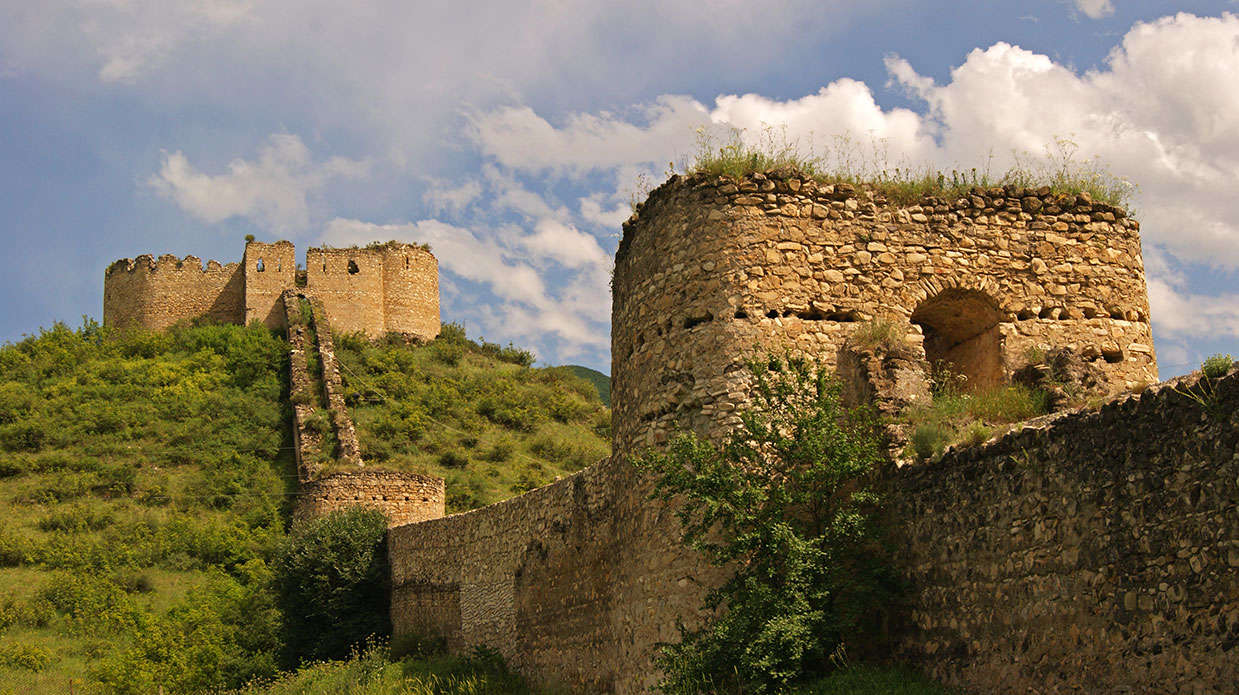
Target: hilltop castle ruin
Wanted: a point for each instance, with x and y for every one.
(382, 288)
(1094, 550)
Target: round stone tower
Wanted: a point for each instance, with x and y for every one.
(711, 268)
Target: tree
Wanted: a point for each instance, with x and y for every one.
(788, 500)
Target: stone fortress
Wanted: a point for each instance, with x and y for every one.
(1094, 550)
(1091, 551)
(383, 288)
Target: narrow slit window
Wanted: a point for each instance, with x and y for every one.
(260, 266)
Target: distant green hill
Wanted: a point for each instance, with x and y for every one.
(597, 378)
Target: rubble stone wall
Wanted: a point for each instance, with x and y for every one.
(269, 270)
(406, 498)
(1098, 552)
(148, 293)
(710, 268)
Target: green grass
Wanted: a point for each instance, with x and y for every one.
(137, 469)
(600, 381)
(373, 672)
(848, 162)
(476, 415)
(956, 417)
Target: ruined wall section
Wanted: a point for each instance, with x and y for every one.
(711, 267)
(318, 403)
(350, 284)
(1100, 551)
(269, 270)
(155, 294)
(406, 498)
(574, 583)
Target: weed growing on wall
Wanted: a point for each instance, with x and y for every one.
(787, 500)
(848, 161)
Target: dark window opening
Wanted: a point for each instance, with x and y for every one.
(742, 314)
(1112, 355)
(1047, 312)
(772, 314)
(279, 266)
(962, 336)
(352, 268)
(406, 262)
(1089, 312)
(1026, 314)
(1117, 314)
(694, 321)
(843, 316)
(260, 266)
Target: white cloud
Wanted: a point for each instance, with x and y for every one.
(1095, 9)
(444, 197)
(272, 190)
(564, 244)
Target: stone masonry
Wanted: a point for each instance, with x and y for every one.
(330, 470)
(710, 268)
(1095, 552)
(382, 288)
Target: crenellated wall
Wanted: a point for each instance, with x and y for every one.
(379, 289)
(159, 293)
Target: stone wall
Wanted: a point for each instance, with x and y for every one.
(710, 268)
(1098, 552)
(406, 498)
(337, 479)
(384, 288)
(574, 583)
(269, 270)
(143, 292)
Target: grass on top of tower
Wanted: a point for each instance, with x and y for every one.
(848, 161)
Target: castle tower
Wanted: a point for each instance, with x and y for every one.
(410, 290)
(711, 268)
(269, 270)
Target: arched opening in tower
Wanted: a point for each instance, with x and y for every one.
(962, 336)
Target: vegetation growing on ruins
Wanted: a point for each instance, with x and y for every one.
(472, 412)
(145, 484)
(957, 416)
(787, 500)
(846, 162)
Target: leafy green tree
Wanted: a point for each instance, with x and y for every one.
(788, 501)
(333, 584)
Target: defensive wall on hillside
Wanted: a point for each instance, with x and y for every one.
(382, 288)
(330, 471)
(1092, 553)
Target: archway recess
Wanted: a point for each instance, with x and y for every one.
(961, 335)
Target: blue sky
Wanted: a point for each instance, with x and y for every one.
(512, 135)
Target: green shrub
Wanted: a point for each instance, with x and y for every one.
(28, 657)
(33, 612)
(332, 578)
(880, 333)
(1216, 366)
(453, 459)
(76, 519)
(92, 604)
(222, 635)
(787, 503)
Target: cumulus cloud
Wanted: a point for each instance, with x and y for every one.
(1095, 9)
(272, 189)
(1163, 111)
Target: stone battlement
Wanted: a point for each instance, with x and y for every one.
(382, 288)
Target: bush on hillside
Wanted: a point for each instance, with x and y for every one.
(332, 578)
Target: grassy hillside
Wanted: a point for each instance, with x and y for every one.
(601, 381)
(146, 479)
(144, 482)
(471, 412)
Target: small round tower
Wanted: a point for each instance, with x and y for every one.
(710, 268)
